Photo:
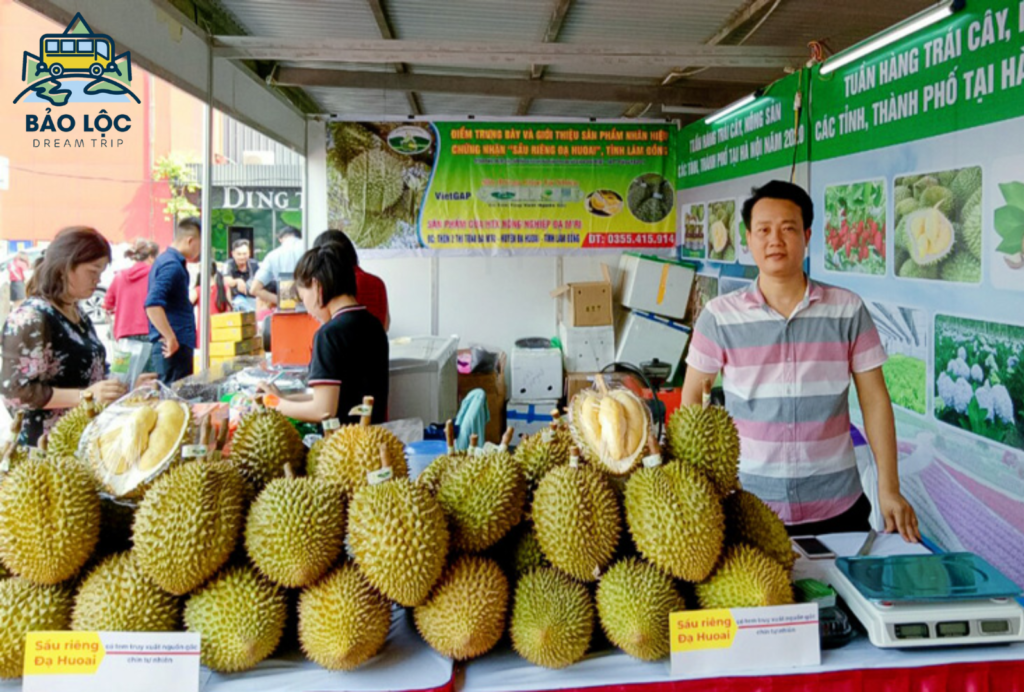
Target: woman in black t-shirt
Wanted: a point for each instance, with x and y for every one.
(350, 350)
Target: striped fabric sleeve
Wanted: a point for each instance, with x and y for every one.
(706, 353)
(866, 350)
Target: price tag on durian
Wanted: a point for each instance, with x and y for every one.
(111, 662)
(361, 410)
(193, 451)
(707, 642)
(333, 423)
(379, 476)
(548, 436)
(651, 461)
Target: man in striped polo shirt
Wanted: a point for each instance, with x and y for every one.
(787, 347)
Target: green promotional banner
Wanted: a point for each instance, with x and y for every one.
(479, 187)
(762, 136)
(964, 71)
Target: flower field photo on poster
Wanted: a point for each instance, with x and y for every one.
(855, 227)
(979, 383)
(939, 225)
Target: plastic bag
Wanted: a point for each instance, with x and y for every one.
(129, 360)
(611, 425)
(137, 438)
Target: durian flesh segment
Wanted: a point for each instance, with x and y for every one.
(465, 614)
(343, 621)
(611, 428)
(931, 235)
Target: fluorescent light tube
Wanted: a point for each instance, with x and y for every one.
(920, 21)
(731, 108)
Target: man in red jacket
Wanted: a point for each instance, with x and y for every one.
(370, 289)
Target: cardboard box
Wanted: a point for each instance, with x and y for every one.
(587, 349)
(590, 302)
(493, 383)
(536, 372)
(575, 382)
(232, 319)
(230, 349)
(645, 337)
(658, 285)
(529, 417)
(232, 334)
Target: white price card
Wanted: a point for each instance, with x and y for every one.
(715, 642)
(111, 662)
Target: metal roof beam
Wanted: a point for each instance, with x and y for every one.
(557, 19)
(380, 16)
(502, 54)
(711, 95)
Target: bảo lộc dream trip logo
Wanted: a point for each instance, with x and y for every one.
(77, 66)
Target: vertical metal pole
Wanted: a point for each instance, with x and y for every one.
(206, 256)
(307, 229)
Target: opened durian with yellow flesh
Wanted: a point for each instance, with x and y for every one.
(134, 440)
(611, 427)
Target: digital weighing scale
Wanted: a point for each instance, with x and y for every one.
(914, 601)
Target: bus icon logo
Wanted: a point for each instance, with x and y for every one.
(76, 65)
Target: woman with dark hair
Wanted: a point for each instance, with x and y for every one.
(370, 289)
(219, 300)
(51, 353)
(126, 297)
(350, 350)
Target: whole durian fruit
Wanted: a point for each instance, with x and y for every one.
(352, 452)
(705, 438)
(398, 534)
(552, 619)
(49, 519)
(543, 451)
(118, 597)
(262, 444)
(65, 435)
(240, 617)
(343, 621)
(634, 601)
(26, 607)
(576, 517)
(749, 520)
(675, 518)
(296, 530)
(483, 497)
(442, 466)
(746, 578)
(464, 617)
(187, 525)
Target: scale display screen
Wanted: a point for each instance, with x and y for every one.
(917, 630)
(995, 627)
(953, 629)
(944, 577)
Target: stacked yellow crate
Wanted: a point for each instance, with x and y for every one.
(232, 334)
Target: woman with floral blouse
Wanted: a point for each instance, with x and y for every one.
(51, 353)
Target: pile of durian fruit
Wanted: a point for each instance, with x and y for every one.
(586, 528)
